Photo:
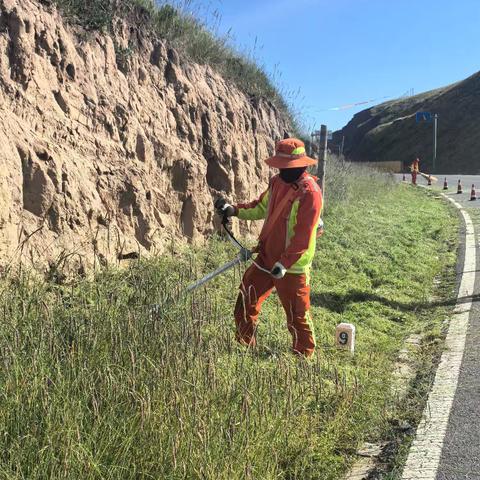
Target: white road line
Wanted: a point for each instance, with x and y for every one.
(425, 452)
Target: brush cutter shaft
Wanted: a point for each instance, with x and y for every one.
(243, 251)
(426, 175)
(243, 257)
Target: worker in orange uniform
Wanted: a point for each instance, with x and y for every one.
(414, 168)
(291, 207)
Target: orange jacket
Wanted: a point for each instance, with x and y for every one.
(292, 239)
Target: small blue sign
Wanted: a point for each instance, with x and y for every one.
(423, 117)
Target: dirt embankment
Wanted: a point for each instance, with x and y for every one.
(113, 144)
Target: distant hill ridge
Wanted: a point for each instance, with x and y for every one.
(389, 131)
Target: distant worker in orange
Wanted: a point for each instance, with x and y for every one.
(414, 168)
(291, 207)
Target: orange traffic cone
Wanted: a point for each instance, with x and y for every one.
(473, 194)
(445, 184)
(429, 180)
(459, 187)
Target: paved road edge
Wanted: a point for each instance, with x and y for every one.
(426, 450)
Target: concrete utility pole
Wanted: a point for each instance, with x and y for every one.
(435, 122)
(322, 156)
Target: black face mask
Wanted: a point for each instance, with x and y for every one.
(290, 175)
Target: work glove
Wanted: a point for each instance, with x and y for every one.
(223, 208)
(320, 228)
(278, 271)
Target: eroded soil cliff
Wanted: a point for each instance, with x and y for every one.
(112, 144)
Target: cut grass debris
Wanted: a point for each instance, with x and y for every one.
(95, 386)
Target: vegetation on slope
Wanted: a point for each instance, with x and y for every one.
(95, 386)
(186, 33)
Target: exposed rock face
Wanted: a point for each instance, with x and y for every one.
(107, 149)
(390, 132)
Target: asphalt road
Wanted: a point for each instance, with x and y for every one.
(460, 458)
(452, 181)
(461, 449)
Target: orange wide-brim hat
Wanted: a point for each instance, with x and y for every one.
(290, 153)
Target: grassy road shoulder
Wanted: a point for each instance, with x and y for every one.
(94, 386)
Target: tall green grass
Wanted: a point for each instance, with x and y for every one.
(95, 384)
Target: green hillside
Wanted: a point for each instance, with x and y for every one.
(390, 132)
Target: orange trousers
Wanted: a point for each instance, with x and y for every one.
(294, 293)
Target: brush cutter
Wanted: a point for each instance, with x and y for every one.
(244, 255)
(426, 175)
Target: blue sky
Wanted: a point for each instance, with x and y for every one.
(339, 52)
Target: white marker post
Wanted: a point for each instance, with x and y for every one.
(345, 336)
